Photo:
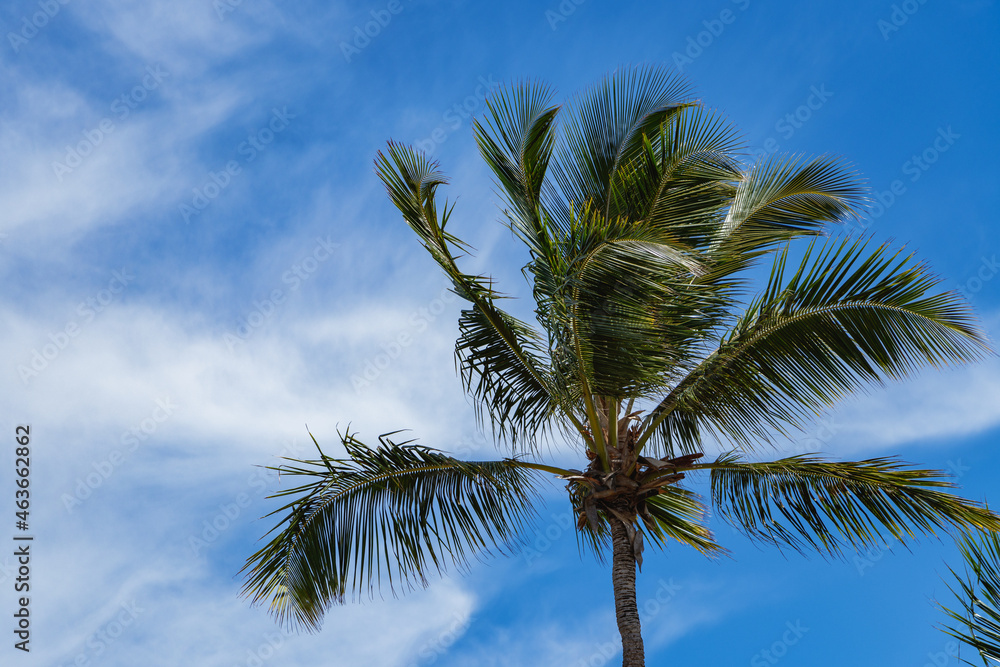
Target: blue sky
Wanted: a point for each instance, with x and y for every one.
(198, 261)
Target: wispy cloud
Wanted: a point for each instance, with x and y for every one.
(935, 407)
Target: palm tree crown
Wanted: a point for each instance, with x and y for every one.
(643, 225)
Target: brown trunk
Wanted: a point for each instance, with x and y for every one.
(623, 578)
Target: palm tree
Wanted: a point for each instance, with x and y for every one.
(978, 594)
(644, 228)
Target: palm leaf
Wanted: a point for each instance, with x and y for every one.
(846, 318)
(628, 303)
(809, 503)
(782, 197)
(678, 514)
(978, 616)
(518, 406)
(604, 129)
(383, 517)
(684, 178)
(411, 181)
(516, 139)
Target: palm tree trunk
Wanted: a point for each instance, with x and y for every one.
(623, 578)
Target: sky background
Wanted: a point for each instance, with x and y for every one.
(198, 261)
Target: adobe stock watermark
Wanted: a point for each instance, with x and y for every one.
(649, 609)
(99, 642)
(224, 7)
(898, 17)
(418, 322)
(365, 33)
(547, 537)
(816, 442)
(87, 310)
(216, 182)
(229, 512)
(866, 560)
(779, 649)
(957, 469)
(471, 445)
(263, 310)
(434, 648)
(697, 44)
(915, 167)
(47, 10)
(121, 108)
(988, 269)
(265, 650)
(795, 120)
(456, 115)
(562, 12)
(942, 658)
(130, 441)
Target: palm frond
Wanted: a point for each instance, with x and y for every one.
(678, 431)
(519, 407)
(977, 618)
(604, 129)
(845, 319)
(411, 181)
(677, 513)
(782, 197)
(625, 309)
(516, 139)
(809, 503)
(684, 178)
(383, 517)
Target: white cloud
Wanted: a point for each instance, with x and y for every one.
(935, 407)
(188, 35)
(175, 610)
(80, 157)
(128, 541)
(261, 390)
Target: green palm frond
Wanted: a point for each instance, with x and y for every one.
(627, 303)
(846, 318)
(508, 393)
(809, 503)
(411, 181)
(977, 618)
(516, 139)
(383, 517)
(604, 129)
(678, 431)
(677, 513)
(593, 532)
(684, 178)
(782, 197)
